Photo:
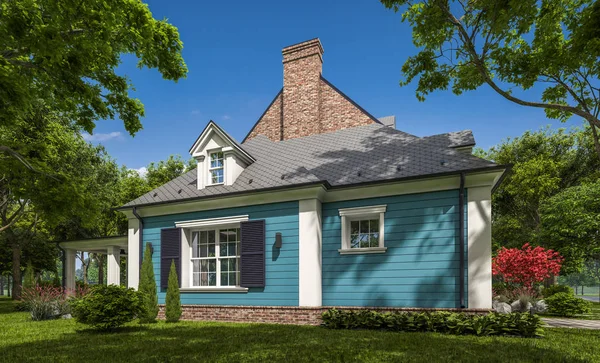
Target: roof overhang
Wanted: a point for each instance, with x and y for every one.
(490, 176)
(96, 245)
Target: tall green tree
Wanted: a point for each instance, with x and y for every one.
(549, 49)
(545, 163)
(66, 53)
(570, 224)
(147, 286)
(166, 170)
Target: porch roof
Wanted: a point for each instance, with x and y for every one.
(97, 245)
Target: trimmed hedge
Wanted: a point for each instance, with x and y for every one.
(515, 324)
(555, 289)
(566, 304)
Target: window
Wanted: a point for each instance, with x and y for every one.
(216, 257)
(363, 230)
(216, 171)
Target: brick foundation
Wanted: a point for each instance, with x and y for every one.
(280, 314)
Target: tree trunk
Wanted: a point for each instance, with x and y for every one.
(100, 261)
(84, 268)
(16, 271)
(1, 285)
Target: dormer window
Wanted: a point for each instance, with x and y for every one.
(220, 158)
(216, 169)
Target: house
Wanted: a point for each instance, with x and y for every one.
(321, 205)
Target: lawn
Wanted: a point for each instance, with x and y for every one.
(64, 340)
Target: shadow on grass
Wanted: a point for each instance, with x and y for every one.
(260, 342)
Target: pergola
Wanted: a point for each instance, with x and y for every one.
(113, 247)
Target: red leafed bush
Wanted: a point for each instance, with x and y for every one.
(526, 266)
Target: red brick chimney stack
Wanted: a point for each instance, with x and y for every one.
(302, 67)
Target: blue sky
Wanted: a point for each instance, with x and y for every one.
(233, 52)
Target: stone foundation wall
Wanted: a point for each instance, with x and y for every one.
(280, 314)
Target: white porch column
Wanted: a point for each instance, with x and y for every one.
(480, 247)
(70, 269)
(113, 268)
(310, 274)
(133, 253)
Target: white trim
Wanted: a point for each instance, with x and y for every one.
(356, 251)
(213, 127)
(479, 248)
(212, 222)
(361, 211)
(211, 169)
(309, 253)
(133, 253)
(337, 195)
(113, 265)
(214, 289)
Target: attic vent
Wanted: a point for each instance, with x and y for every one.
(443, 163)
(179, 191)
(282, 176)
(250, 181)
(399, 168)
(154, 195)
(359, 173)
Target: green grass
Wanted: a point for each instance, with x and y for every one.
(64, 340)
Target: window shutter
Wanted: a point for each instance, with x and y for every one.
(170, 250)
(252, 257)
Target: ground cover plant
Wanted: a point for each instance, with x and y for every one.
(61, 340)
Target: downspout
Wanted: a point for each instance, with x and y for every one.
(134, 211)
(461, 226)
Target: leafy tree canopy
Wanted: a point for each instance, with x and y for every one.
(66, 53)
(509, 44)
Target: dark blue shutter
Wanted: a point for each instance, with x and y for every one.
(252, 254)
(170, 250)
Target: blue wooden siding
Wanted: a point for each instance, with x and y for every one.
(420, 267)
(281, 286)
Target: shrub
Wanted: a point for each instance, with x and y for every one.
(526, 266)
(554, 289)
(29, 277)
(173, 303)
(107, 307)
(147, 286)
(514, 324)
(566, 304)
(45, 302)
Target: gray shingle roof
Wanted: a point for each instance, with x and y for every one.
(355, 155)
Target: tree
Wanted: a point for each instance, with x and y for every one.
(545, 163)
(526, 266)
(147, 286)
(166, 170)
(173, 302)
(570, 223)
(66, 53)
(547, 46)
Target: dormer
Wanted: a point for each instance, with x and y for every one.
(220, 158)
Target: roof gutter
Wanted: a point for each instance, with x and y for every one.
(141, 232)
(461, 249)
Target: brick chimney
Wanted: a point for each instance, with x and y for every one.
(302, 66)
(308, 104)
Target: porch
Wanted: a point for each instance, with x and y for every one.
(112, 247)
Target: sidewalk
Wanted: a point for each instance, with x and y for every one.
(571, 323)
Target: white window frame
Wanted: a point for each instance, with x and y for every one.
(211, 169)
(217, 256)
(206, 224)
(362, 213)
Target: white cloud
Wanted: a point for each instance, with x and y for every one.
(226, 117)
(142, 171)
(195, 112)
(102, 137)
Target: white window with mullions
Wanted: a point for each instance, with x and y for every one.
(216, 168)
(215, 257)
(363, 229)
